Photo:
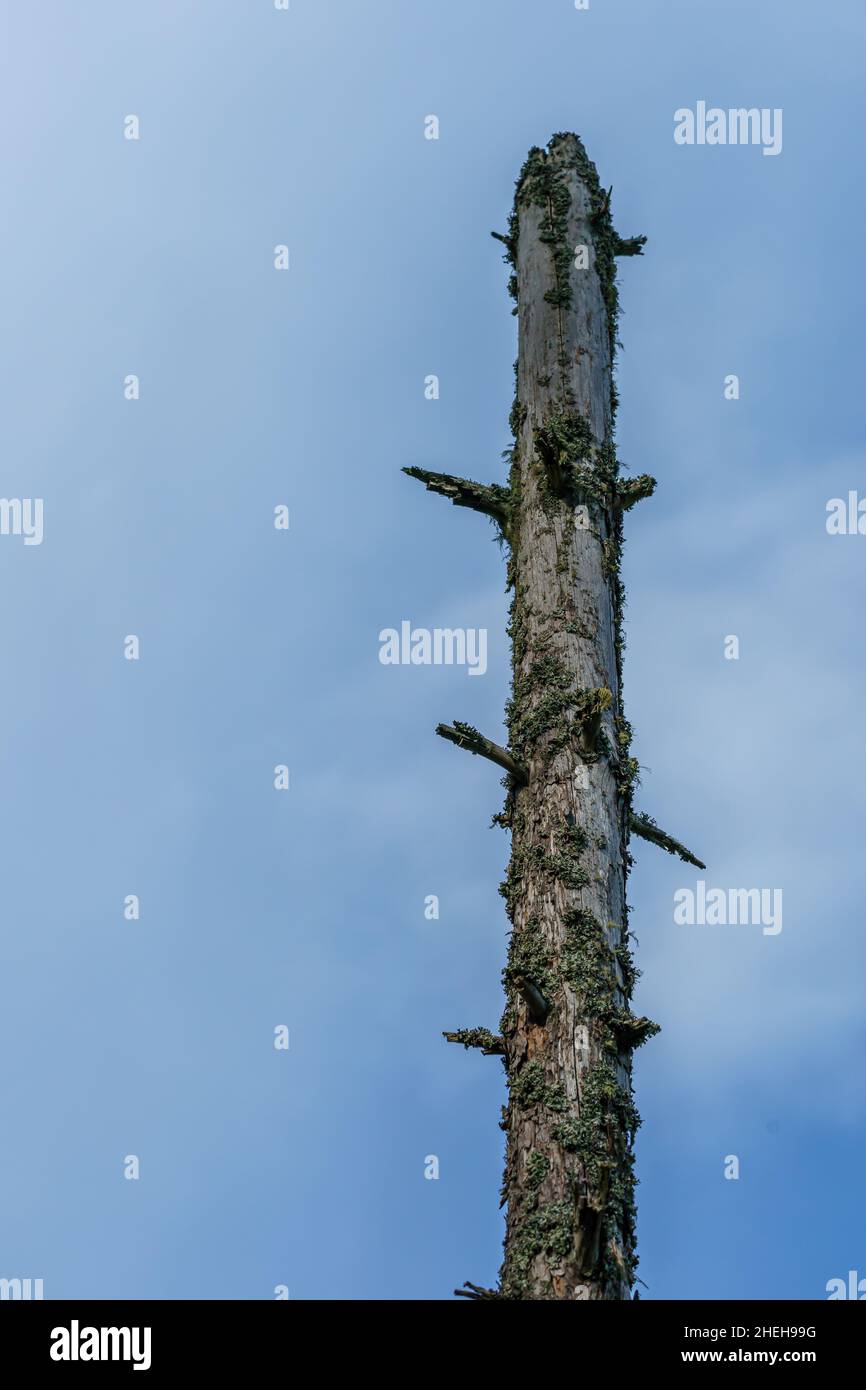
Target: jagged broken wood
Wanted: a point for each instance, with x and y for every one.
(489, 1043)
(629, 245)
(647, 829)
(568, 479)
(465, 736)
(506, 240)
(489, 498)
(631, 490)
(632, 1031)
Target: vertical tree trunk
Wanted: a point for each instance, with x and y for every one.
(567, 1033)
(570, 1119)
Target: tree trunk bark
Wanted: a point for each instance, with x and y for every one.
(570, 1120)
(567, 1034)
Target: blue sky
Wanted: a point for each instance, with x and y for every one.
(258, 647)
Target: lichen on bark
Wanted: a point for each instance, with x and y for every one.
(567, 1033)
(570, 1119)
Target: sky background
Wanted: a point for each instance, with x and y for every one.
(258, 647)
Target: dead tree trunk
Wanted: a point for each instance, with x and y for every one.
(568, 1032)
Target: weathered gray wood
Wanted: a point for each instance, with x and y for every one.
(567, 1034)
(464, 736)
(463, 492)
(569, 1231)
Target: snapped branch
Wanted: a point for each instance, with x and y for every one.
(629, 246)
(646, 828)
(632, 1032)
(507, 241)
(489, 1043)
(631, 490)
(464, 736)
(490, 498)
